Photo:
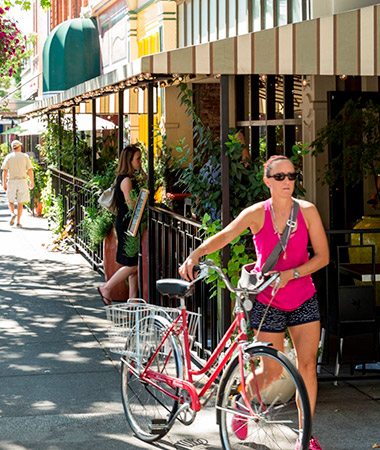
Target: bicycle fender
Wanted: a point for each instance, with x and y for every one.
(259, 344)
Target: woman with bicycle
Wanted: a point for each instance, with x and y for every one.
(294, 306)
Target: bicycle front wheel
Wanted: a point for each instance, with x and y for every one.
(148, 408)
(272, 420)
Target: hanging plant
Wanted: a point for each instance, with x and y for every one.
(12, 45)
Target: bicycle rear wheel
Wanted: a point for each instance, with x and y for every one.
(147, 408)
(273, 423)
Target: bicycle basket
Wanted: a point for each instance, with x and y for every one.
(126, 316)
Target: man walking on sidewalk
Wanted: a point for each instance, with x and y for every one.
(15, 167)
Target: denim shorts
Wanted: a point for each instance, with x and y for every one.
(276, 321)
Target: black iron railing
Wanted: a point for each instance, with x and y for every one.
(76, 197)
(172, 238)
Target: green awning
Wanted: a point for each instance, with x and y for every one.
(71, 55)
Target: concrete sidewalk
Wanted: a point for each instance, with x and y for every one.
(60, 387)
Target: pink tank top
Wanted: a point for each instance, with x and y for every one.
(297, 291)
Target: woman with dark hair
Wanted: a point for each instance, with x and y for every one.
(126, 193)
(295, 304)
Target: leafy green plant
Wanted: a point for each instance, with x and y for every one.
(356, 130)
(164, 163)
(40, 178)
(58, 148)
(47, 194)
(107, 148)
(55, 213)
(100, 181)
(98, 226)
(4, 150)
(238, 253)
(200, 172)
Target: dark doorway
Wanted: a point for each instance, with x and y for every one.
(346, 203)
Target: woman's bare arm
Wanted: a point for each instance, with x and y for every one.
(126, 188)
(248, 218)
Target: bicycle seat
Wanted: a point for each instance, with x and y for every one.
(174, 287)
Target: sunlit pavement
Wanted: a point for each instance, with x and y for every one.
(60, 387)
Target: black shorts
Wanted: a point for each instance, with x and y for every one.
(276, 321)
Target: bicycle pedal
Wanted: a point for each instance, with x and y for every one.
(158, 426)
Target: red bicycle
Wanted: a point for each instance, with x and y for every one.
(261, 399)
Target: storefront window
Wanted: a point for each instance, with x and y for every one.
(196, 22)
(256, 15)
(296, 11)
(213, 20)
(188, 23)
(222, 20)
(268, 14)
(231, 18)
(242, 17)
(282, 12)
(204, 21)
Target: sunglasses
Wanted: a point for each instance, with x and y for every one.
(281, 176)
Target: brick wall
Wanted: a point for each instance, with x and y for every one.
(62, 10)
(207, 103)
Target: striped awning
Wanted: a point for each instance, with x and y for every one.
(346, 43)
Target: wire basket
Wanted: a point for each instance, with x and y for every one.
(125, 317)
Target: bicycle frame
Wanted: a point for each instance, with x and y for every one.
(149, 376)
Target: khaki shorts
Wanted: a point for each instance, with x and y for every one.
(18, 191)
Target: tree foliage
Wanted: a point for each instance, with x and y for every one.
(26, 4)
(356, 130)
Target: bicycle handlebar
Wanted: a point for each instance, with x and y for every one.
(208, 264)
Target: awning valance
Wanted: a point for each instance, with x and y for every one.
(83, 123)
(347, 43)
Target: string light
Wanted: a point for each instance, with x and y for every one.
(263, 77)
(343, 77)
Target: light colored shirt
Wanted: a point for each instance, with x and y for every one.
(17, 164)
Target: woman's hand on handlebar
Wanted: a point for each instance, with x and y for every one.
(186, 270)
(283, 279)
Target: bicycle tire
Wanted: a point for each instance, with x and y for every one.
(274, 424)
(148, 410)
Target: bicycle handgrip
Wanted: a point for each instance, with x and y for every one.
(267, 282)
(195, 270)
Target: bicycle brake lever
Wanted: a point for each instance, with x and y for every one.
(203, 272)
